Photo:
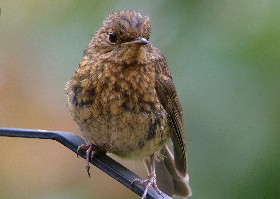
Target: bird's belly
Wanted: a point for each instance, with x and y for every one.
(128, 135)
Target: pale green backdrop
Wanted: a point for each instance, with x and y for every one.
(225, 60)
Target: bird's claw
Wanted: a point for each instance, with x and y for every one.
(90, 150)
(149, 182)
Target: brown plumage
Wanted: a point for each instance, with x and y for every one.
(124, 101)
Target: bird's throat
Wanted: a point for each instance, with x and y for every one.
(134, 55)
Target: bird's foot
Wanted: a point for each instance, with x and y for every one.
(90, 150)
(149, 182)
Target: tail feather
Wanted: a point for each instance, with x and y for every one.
(168, 180)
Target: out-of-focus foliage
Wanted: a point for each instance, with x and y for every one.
(225, 60)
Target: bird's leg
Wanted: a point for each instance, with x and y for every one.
(151, 180)
(90, 150)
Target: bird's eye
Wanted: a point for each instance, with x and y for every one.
(113, 37)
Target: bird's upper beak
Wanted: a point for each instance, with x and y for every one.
(138, 41)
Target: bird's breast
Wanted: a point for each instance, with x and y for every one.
(125, 88)
(117, 108)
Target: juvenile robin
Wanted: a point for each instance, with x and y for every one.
(124, 101)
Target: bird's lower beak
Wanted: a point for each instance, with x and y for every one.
(138, 41)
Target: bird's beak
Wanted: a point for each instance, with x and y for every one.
(138, 41)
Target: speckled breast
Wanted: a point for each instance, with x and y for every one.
(117, 109)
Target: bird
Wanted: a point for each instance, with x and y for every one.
(124, 101)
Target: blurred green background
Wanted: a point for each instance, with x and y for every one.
(225, 60)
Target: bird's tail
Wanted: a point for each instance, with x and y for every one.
(168, 180)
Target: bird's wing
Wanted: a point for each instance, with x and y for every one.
(169, 99)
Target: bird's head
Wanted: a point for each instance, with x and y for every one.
(123, 36)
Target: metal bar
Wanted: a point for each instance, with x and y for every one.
(100, 160)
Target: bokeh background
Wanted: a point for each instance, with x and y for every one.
(225, 60)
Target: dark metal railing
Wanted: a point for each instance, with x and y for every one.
(100, 160)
